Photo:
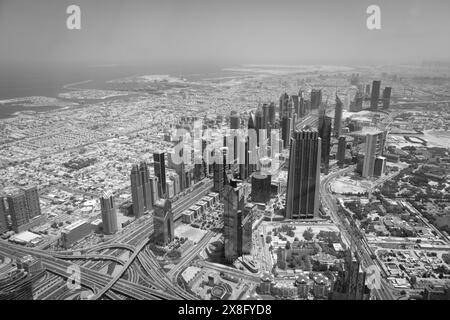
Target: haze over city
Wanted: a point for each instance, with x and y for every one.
(223, 32)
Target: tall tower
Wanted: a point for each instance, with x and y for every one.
(324, 131)
(179, 168)
(357, 104)
(301, 105)
(303, 176)
(251, 124)
(109, 213)
(17, 205)
(243, 157)
(146, 186)
(387, 97)
(284, 106)
(376, 86)
(154, 188)
(295, 104)
(373, 148)
(266, 116)
(338, 117)
(163, 222)
(259, 125)
(351, 282)
(272, 114)
(342, 146)
(159, 165)
(137, 192)
(23, 206)
(234, 204)
(286, 131)
(3, 220)
(367, 91)
(218, 178)
(259, 119)
(32, 198)
(316, 98)
(235, 120)
(235, 124)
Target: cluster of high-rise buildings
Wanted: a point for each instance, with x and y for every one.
(305, 148)
(145, 190)
(309, 154)
(148, 195)
(243, 158)
(373, 95)
(351, 281)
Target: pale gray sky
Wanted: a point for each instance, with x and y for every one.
(232, 31)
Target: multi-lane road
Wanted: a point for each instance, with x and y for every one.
(353, 237)
(139, 267)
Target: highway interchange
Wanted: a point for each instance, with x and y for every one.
(139, 274)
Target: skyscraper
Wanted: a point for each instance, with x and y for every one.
(234, 204)
(32, 198)
(17, 205)
(342, 146)
(243, 157)
(387, 97)
(163, 222)
(286, 131)
(272, 114)
(351, 282)
(235, 120)
(367, 91)
(302, 109)
(376, 86)
(316, 98)
(3, 218)
(179, 166)
(137, 192)
(324, 131)
(218, 178)
(259, 125)
(251, 121)
(259, 119)
(357, 104)
(154, 188)
(284, 106)
(247, 224)
(235, 124)
(338, 117)
(266, 115)
(374, 147)
(261, 183)
(159, 165)
(302, 200)
(24, 208)
(146, 186)
(109, 213)
(295, 104)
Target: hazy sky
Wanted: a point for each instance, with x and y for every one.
(231, 31)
